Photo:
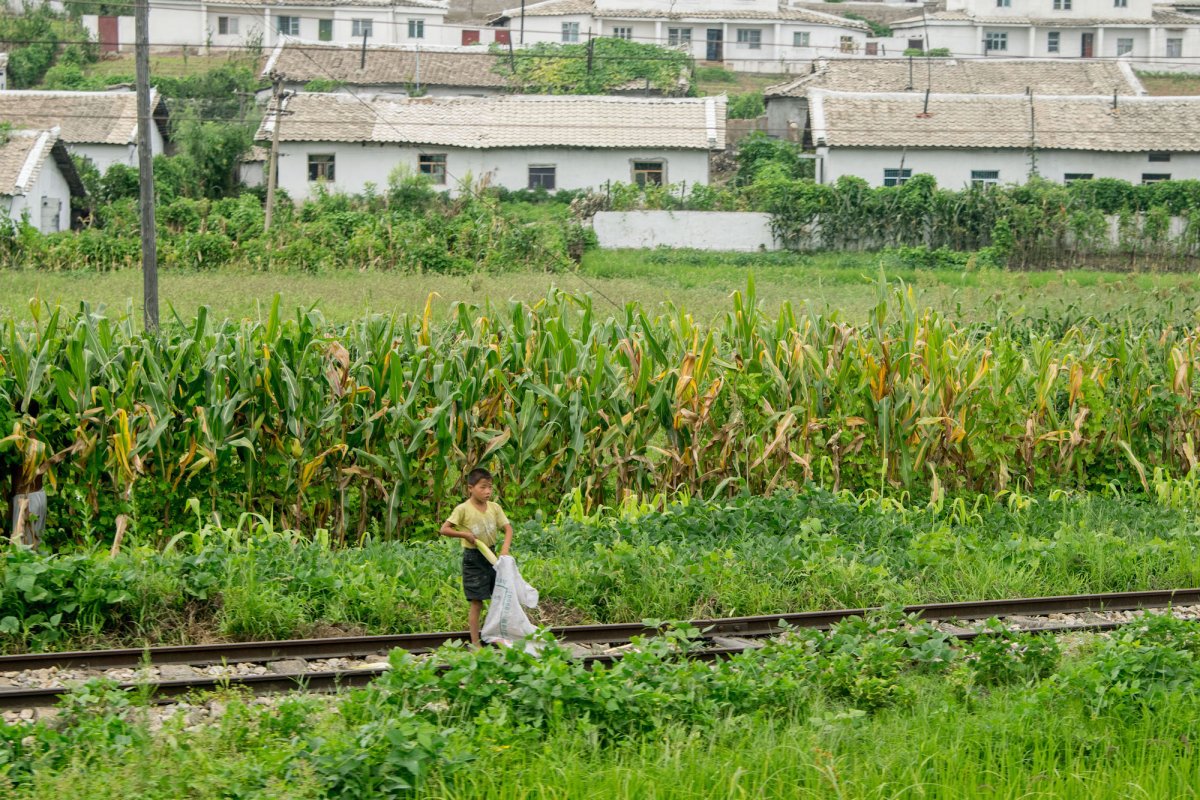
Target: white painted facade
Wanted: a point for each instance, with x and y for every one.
(105, 155)
(43, 194)
(358, 164)
(952, 168)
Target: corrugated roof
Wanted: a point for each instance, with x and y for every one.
(1159, 16)
(1138, 124)
(1058, 76)
(82, 117)
(386, 65)
(506, 121)
(554, 8)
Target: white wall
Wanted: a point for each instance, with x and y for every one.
(965, 39)
(744, 231)
(105, 155)
(356, 165)
(52, 186)
(952, 168)
(1080, 9)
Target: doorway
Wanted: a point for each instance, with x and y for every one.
(1086, 43)
(716, 49)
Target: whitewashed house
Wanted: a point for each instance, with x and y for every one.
(787, 103)
(341, 143)
(987, 139)
(37, 180)
(745, 35)
(99, 125)
(1146, 32)
(3, 71)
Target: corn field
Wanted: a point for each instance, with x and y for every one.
(369, 427)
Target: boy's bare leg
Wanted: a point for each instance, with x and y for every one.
(473, 621)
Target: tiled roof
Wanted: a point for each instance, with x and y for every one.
(1138, 124)
(23, 156)
(400, 4)
(554, 8)
(301, 61)
(965, 76)
(506, 121)
(82, 117)
(1159, 16)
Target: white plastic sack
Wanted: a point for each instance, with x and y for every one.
(506, 621)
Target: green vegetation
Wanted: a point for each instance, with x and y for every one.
(648, 559)
(878, 29)
(1165, 84)
(856, 712)
(746, 106)
(596, 67)
(42, 38)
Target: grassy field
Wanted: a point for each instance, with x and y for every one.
(174, 64)
(701, 283)
(715, 80)
(1165, 84)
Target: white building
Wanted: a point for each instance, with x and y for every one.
(787, 103)
(38, 180)
(1147, 33)
(983, 139)
(342, 143)
(746, 35)
(99, 125)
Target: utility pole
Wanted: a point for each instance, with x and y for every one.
(273, 160)
(141, 21)
(591, 51)
(522, 21)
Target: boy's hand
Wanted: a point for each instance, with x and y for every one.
(470, 537)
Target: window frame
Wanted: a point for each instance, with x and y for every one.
(1072, 177)
(679, 37)
(1158, 157)
(1174, 43)
(1120, 3)
(1003, 3)
(995, 41)
(293, 24)
(985, 178)
(801, 38)
(361, 24)
(846, 44)
(227, 25)
(1061, 5)
(1155, 177)
(1125, 45)
(541, 174)
(429, 163)
(623, 32)
(416, 27)
(570, 32)
(895, 176)
(322, 167)
(1053, 41)
(750, 38)
(641, 169)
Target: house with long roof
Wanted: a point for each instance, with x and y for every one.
(746, 35)
(37, 180)
(787, 102)
(342, 143)
(1141, 29)
(99, 125)
(987, 139)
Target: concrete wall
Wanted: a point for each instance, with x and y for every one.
(952, 168)
(357, 164)
(744, 231)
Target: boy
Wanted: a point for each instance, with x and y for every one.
(478, 519)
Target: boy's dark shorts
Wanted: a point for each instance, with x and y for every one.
(478, 575)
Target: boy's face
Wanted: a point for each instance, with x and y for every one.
(481, 492)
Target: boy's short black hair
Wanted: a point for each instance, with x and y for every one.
(478, 474)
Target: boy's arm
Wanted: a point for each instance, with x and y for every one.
(507, 539)
(448, 529)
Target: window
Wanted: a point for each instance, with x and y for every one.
(1003, 3)
(1053, 40)
(995, 41)
(1071, 177)
(570, 31)
(288, 26)
(896, 177)
(1155, 177)
(433, 165)
(541, 177)
(846, 44)
(985, 177)
(1062, 5)
(1160, 157)
(362, 27)
(416, 29)
(649, 172)
(227, 25)
(623, 33)
(916, 44)
(1174, 48)
(320, 168)
(800, 39)
(1124, 46)
(325, 30)
(751, 37)
(1120, 3)
(679, 37)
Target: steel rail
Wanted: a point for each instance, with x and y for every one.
(756, 626)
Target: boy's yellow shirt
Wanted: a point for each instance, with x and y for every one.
(484, 524)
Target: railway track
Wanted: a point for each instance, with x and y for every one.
(328, 664)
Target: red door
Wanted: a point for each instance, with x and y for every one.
(503, 36)
(1085, 45)
(108, 35)
(470, 37)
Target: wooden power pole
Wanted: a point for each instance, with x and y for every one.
(141, 21)
(273, 159)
